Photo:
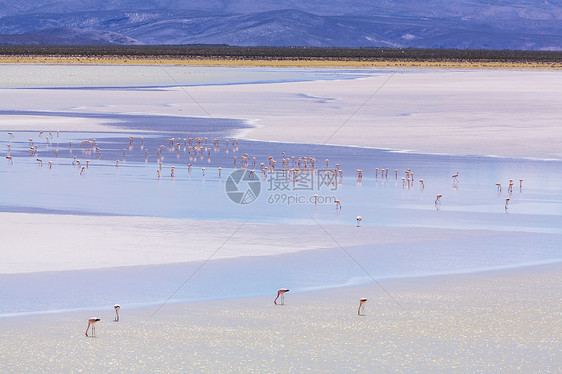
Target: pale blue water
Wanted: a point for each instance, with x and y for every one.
(528, 233)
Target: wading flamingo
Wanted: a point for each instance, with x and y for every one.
(92, 321)
(506, 203)
(359, 219)
(438, 199)
(455, 177)
(281, 293)
(338, 204)
(9, 158)
(362, 302)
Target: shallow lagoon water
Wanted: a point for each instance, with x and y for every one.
(528, 233)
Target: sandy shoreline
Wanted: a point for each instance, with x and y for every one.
(502, 321)
(423, 64)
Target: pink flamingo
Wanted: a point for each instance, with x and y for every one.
(92, 322)
(362, 302)
(359, 219)
(455, 177)
(281, 293)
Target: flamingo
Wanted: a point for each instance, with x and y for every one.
(11, 134)
(455, 177)
(499, 187)
(281, 293)
(438, 199)
(40, 161)
(9, 158)
(117, 307)
(82, 170)
(520, 183)
(359, 219)
(338, 204)
(315, 199)
(422, 185)
(362, 302)
(506, 203)
(92, 321)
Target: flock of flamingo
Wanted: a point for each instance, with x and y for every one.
(199, 147)
(291, 168)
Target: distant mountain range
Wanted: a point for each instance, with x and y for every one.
(474, 24)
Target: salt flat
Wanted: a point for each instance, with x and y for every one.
(504, 320)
